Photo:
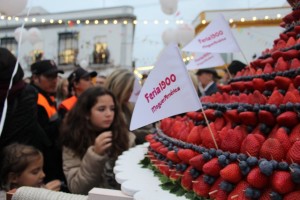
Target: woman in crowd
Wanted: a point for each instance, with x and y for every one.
(22, 165)
(121, 82)
(62, 90)
(93, 136)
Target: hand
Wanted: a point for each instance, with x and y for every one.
(103, 142)
(53, 185)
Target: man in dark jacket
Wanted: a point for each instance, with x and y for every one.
(207, 79)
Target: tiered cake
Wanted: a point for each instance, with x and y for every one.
(251, 148)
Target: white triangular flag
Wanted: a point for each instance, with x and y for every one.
(167, 91)
(136, 91)
(205, 60)
(215, 38)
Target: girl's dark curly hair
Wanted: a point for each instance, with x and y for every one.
(77, 132)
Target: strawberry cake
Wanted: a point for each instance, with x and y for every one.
(251, 148)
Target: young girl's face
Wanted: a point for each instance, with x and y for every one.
(103, 112)
(33, 175)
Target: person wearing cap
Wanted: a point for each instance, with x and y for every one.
(44, 79)
(207, 79)
(79, 81)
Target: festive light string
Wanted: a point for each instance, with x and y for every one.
(126, 21)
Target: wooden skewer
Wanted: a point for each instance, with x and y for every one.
(209, 128)
(179, 174)
(213, 192)
(234, 196)
(195, 181)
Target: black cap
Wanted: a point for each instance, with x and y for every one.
(79, 73)
(46, 67)
(236, 66)
(211, 71)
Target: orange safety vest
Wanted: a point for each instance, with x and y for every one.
(68, 103)
(50, 109)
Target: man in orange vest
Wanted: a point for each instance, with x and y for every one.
(44, 79)
(79, 81)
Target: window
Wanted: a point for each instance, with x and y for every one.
(10, 43)
(101, 53)
(67, 48)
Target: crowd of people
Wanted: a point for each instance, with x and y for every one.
(65, 134)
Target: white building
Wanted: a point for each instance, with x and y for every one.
(100, 38)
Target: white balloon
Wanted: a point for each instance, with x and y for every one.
(34, 35)
(84, 64)
(185, 33)
(12, 7)
(21, 31)
(169, 7)
(169, 36)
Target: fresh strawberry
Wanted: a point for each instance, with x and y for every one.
(149, 138)
(239, 85)
(186, 154)
(197, 162)
(293, 53)
(164, 169)
(282, 182)
(238, 192)
(294, 153)
(297, 80)
(257, 179)
(270, 85)
(232, 116)
(259, 84)
(288, 118)
(292, 196)
(244, 98)
(259, 71)
(186, 179)
(231, 173)
(290, 97)
(166, 124)
(280, 44)
(156, 145)
(272, 149)
(183, 133)
(208, 138)
(210, 114)
(192, 115)
(295, 63)
(200, 187)
(266, 194)
(212, 167)
(215, 188)
(194, 136)
(266, 117)
(177, 126)
(219, 123)
(232, 141)
(251, 145)
(258, 97)
(276, 98)
(172, 155)
(295, 134)
(175, 175)
(163, 150)
(281, 65)
(268, 69)
(249, 85)
(248, 118)
(266, 61)
(282, 136)
(282, 82)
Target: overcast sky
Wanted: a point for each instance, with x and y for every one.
(150, 35)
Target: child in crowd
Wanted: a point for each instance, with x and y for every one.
(22, 165)
(93, 136)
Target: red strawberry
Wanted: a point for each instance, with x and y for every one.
(257, 179)
(282, 182)
(192, 115)
(259, 84)
(259, 98)
(292, 196)
(272, 149)
(186, 179)
(290, 97)
(276, 98)
(244, 98)
(238, 192)
(268, 69)
(163, 150)
(177, 126)
(174, 175)
(295, 63)
(248, 118)
(259, 71)
(297, 80)
(197, 162)
(251, 145)
(282, 136)
(292, 54)
(266, 61)
(166, 124)
(231, 141)
(232, 115)
(281, 65)
(266, 194)
(219, 123)
(200, 187)
(171, 155)
(294, 153)
(210, 114)
(212, 167)
(215, 188)
(295, 134)
(270, 85)
(280, 44)
(239, 85)
(282, 82)
(266, 117)
(231, 173)
(288, 118)
(164, 169)
(186, 154)
(156, 145)
(249, 85)
(208, 138)
(195, 135)
(149, 138)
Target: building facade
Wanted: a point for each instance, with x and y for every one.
(99, 39)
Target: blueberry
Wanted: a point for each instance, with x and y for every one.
(252, 161)
(222, 160)
(243, 165)
(212, 152)
(219, 152)
(274, 164)
(233, 156)
(242, 157)
(275, 196)
(296, 175)
(289, 106)
(266, 168)
(249, 192)
(206, 156)
(283, 166)
(273, 108)
(226, 186)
